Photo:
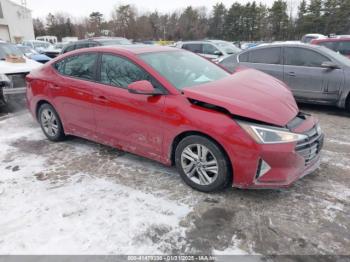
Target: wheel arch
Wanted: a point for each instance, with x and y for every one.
(39, 104)
(347, 102)
(184, 134)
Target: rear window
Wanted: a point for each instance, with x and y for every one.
(78, 66)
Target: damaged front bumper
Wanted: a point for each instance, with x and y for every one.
(12, 86)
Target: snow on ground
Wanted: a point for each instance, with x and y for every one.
(78, 197)
(84, 214)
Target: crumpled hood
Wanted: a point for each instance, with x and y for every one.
(249, 93)
(12, 68)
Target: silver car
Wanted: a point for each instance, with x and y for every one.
(215, 50)
(315, 74)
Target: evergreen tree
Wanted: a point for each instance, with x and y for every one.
(279, 20)
(217, 21)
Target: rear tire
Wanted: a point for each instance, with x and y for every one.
(202, 164)
(50, 123)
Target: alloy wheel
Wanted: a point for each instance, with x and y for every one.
(199, 164)
(49, 122)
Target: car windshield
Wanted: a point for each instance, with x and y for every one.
(342, 59)
(8, 50)
(116, 42)
(58, 46)
(184, 69)
(228, 47)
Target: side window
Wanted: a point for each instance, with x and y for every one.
(330, 45)
(244, 57)
(79, 66)
(344, 47)
(209, 49)
(59, 66)
(120, 72)
(195, 48)
(92, 44)
(266, 56)
(69, 48)
(303, 57)
(81, 45)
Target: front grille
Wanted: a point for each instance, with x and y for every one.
(17, 80)
(310, 147)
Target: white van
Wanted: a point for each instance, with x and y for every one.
(47, 38)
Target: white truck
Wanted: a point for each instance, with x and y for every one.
(14, 67)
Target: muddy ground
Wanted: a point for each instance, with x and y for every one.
(79, 197)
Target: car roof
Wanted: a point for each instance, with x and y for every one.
(332, 39)
(283, 44)
(131, 49)
(37, 41)
(201, 41)
(315, 35)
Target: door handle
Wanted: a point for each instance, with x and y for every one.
(53, 86)
(102, 99)
(292, 74)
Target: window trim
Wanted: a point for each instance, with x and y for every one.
(99, 68)
(94, 80)
(304, 48)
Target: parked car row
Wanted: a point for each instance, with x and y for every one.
(315, 74)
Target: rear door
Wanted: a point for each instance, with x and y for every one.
(72, 92)
(304, 74)
(268, 60)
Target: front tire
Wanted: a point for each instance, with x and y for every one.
(202, 164)
(50, 123)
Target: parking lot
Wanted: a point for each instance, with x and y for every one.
(81, 197)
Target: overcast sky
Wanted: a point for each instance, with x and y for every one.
(79, 8)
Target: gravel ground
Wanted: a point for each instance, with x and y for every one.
(81, 197)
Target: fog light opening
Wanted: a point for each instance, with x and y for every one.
(263, 168)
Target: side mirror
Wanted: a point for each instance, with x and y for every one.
(218, 53)
(143, 87)
(329, 65)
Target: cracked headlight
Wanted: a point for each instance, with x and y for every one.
(270, 135)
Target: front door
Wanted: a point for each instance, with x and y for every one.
(307, 79)
(128, 121)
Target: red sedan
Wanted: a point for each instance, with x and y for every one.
(337, 44)
(177, 108)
